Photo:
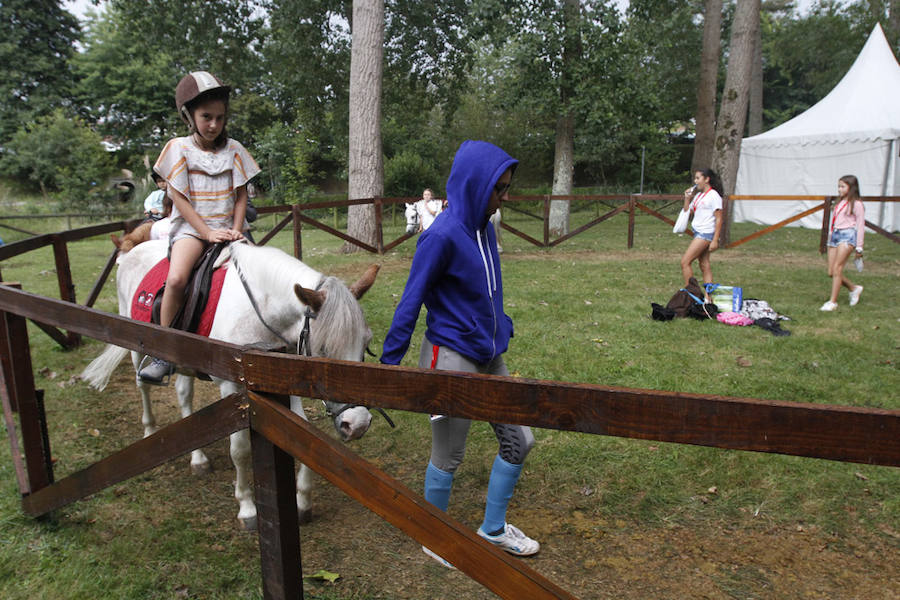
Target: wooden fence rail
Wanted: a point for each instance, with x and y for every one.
(832, 432)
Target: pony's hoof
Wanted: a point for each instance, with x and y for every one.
(148, 431)
(247, 523)
(304, 516)
(199, 469)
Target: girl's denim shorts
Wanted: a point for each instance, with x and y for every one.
(704, 236)
(842, 236)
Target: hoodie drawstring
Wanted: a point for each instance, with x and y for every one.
(489, 273)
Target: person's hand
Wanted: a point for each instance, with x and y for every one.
(236, 235)
(689, 192)
(714, 245)
(859, 252)
(214, 236)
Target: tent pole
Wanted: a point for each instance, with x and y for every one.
(888, 188)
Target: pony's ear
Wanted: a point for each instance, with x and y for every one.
(365, 282)
(312, 298)
(115, 240)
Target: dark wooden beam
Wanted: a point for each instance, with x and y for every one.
(184, 349)
(502, 574)
(202, 428)
(853, 434)
(277, 521)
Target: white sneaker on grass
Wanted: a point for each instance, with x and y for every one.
(512, 540)
(854, 295)
(829, 306)
(440, 560)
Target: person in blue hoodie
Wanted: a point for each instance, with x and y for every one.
(455, 273)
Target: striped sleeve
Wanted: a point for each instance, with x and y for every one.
(172, 166)
(245, 168)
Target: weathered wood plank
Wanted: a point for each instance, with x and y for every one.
(34, 444)
(202, 428)
(277, 521)
(505, 576)
(853, 434)
(184, 349)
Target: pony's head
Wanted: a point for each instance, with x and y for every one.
(339, 330)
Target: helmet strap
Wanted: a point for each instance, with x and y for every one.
(188, 118)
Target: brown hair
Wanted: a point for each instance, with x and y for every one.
(853, 195)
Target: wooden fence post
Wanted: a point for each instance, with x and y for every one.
(631, 203)
(64, 277)
(30, 406)
(298, 226)
(546, 220)
(379, 225)
(276, 519)
(826, 225)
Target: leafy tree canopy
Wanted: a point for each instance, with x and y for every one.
(36, 42)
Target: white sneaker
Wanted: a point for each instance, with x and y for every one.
(513, 541)
(854, 295)
(829, 306)
(443, 562)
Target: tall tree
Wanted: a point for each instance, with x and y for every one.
(705, 119)
(733, 112)
(564, 154)
(36, 42)
(755, 108)
(366, 164)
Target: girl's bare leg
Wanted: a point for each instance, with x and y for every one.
(185, 253)
(694, 251)
(837, 258)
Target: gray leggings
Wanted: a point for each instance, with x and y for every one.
(448, 434)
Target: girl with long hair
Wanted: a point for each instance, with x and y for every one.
(704, 199)
(848, 227)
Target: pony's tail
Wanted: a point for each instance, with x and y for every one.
(97, 373)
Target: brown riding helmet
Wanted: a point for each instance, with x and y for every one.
(191, 87)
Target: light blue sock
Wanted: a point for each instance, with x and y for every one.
(437, 486)
(503, 480)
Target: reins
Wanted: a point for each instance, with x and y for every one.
(304, 342)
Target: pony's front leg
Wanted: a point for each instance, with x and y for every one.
(241, 457)
(184, 388)
(304, 474)
(148, 420)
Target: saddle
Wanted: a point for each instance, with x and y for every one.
(200, 296)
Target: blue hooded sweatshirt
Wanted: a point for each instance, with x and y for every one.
(456, 269)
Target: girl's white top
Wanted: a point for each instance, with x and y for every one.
(705, 206)
(208, 179)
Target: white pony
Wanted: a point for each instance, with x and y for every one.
(282, 289)
(412, 217)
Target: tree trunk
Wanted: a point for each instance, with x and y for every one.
(755, 115)
(733, 112)
(706, 88)
(564, 155)
(366, 163)
(563, 169)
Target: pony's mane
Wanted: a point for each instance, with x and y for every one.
(338, 318)
(275, 271)
(270, 268)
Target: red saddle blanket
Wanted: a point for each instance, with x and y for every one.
(142, 301)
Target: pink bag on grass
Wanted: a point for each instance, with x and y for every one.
(733, 318)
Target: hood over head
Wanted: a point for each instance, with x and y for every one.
(476, 168)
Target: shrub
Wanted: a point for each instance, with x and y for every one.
(61, 157)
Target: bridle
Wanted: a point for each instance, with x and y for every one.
(304, 342)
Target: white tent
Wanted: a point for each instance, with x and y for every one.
(854, 130)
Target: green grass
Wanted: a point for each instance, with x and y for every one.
(581, 314)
